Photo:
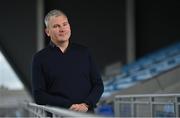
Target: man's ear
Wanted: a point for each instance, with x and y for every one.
(47, 31)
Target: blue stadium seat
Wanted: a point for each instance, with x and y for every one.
(145, 68)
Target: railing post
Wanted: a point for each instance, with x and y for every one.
(177, 106)
(151, 105)
(132, 107)
(116, 107)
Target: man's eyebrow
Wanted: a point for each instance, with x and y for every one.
(66, 22)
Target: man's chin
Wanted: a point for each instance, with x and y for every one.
(63, 40)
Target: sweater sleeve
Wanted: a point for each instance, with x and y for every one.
(97, 84)
(39, 87)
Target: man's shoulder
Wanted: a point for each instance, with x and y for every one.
(41, 53)
(80, 47)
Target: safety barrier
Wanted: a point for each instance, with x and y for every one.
(147, 105)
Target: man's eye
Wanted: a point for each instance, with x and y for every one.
(55, 26)
(65, 24)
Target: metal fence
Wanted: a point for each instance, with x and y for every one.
(147, 105)
(49, 111)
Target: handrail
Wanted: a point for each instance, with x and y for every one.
(41, 111)
(147, 95)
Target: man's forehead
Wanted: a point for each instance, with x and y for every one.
(55, 20)
(58, 17)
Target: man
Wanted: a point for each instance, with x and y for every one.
(64, 74)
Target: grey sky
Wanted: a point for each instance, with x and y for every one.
(8, 77)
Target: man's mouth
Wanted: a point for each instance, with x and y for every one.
(63, 34)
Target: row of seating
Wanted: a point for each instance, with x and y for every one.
(147, 67)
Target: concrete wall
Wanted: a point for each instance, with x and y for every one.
(157, 24)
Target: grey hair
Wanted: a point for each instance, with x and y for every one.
(51, 13)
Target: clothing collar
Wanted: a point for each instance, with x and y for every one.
(51, 44)
(54, 45)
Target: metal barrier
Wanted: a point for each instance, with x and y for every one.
(49, 111)
(147, 105)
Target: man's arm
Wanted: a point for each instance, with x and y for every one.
(97, 84)
(39, 88)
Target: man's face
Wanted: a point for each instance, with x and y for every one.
(58, 29)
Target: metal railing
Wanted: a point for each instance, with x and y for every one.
(147, 105)
(49, 111)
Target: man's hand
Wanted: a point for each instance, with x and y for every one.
(79, 107)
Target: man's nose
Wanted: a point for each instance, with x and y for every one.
(61, 27)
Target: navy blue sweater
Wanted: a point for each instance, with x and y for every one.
(62, 79)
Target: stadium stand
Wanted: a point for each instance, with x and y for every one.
(152, 67)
